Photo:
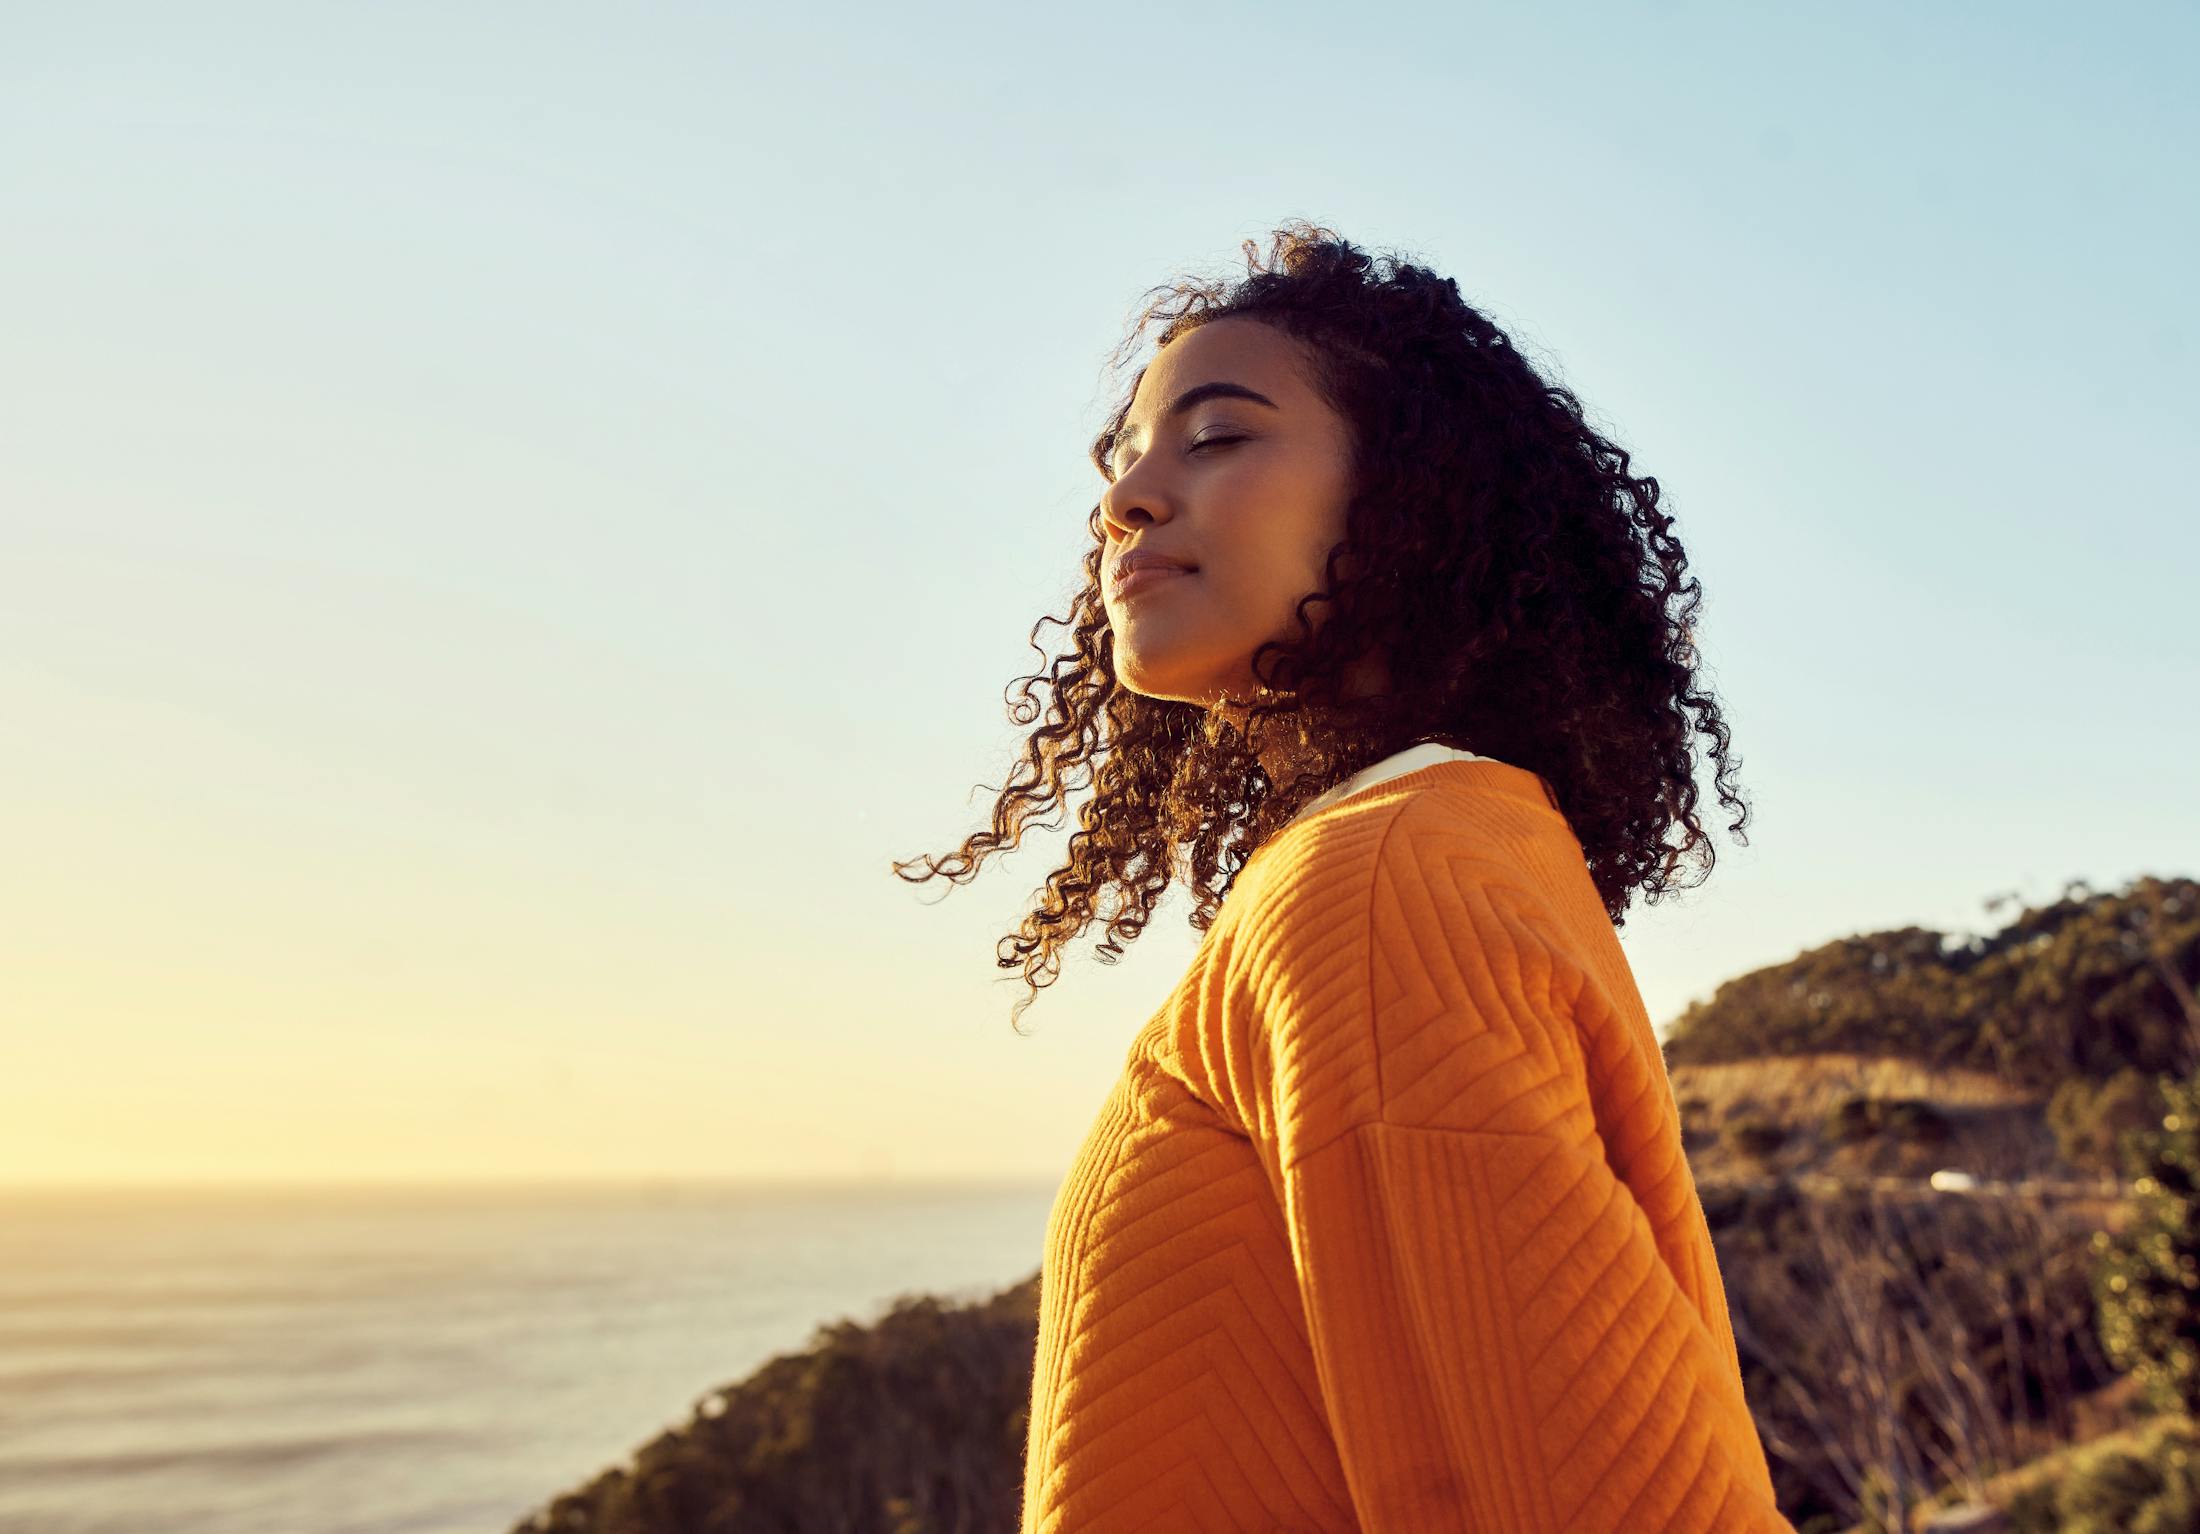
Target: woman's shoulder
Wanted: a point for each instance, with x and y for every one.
(1460, 826)
(1429, 952)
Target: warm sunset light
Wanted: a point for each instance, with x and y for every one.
(523, 531)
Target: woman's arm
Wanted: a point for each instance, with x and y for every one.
(1501, 1346)
(1511, 1294)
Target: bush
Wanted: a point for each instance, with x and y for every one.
(2147, 1284)
(1917, 1120)
(2090, 1118)
(1908, 1118)
(1758, 1137)
(1852, 1119)
(915, 1421)
(2148, 1483)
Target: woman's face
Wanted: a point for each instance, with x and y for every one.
(1248, 492)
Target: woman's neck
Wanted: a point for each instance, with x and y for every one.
(1290, 745)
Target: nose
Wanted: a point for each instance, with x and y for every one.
(1133, 500)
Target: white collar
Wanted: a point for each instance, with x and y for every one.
(1413, 758)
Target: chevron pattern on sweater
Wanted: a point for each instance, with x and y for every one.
(1385, 1226)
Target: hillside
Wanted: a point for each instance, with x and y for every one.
(1800, 1116)
(2090, 984)
(1816, 1098)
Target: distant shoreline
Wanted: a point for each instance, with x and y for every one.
(505, 1188)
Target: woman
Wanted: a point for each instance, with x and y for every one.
(1385, 1226)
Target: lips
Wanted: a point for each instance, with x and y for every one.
(1142, 576)
(1132, 567)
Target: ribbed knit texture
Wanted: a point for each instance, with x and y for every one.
(1385, 1225)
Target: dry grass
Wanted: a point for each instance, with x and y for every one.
(1995, 1129)
(1803, 1089)
(2130, 1423)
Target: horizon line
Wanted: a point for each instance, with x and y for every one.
(558, 1183)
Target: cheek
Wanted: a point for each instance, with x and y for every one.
(1251, 604)
(1288, 525)
(1272, 581)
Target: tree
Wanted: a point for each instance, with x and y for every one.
(2085, 985)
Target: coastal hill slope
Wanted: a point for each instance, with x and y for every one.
(1806, 1090)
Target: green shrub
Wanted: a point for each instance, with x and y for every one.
(2090, 1118)
(915, 1421)
(2147, 1282)
(2148, 1483)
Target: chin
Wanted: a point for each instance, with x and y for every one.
(1160, 683)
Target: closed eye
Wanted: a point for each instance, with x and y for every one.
(1223, 441)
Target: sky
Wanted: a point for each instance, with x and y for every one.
(513, 517)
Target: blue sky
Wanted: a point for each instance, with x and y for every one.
(511, 517)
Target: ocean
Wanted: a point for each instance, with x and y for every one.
(422, 1362)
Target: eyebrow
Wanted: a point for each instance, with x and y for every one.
(1221, 388)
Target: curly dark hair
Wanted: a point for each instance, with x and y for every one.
(1525, 590)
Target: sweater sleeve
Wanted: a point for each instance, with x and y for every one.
(1501, 1346)
(1505, 1337)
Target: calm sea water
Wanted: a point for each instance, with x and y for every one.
(415, 1363)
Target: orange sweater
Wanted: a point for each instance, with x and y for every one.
(1385, 1226)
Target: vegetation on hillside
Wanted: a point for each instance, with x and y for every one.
(2148, 1282)
(1894, 1344)
(2144, 1481)
(913, 1425)
(2088, 985)
(1901, 1346)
